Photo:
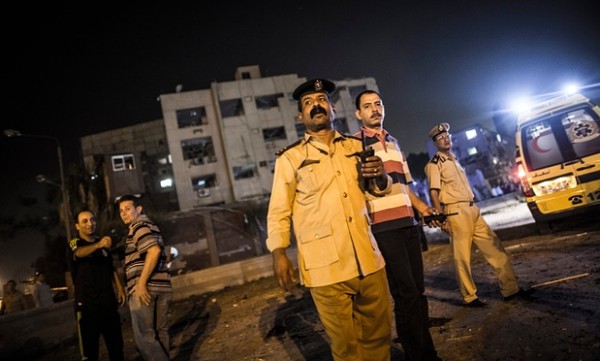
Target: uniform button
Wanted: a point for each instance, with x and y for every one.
(317, 236)
(349, 219)
(338, 173)
(345, 195)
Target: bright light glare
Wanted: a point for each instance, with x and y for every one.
(520, 171)
(571, 88)
(520, 106)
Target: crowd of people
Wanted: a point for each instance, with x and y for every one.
(347, 203)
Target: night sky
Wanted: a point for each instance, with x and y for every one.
(70, 72)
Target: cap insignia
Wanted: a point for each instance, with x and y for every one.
(318, 85)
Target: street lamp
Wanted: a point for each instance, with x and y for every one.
(42, 179)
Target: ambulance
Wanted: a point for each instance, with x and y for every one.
(558, 158)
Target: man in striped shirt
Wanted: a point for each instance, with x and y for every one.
(148, 281)
(396, 231)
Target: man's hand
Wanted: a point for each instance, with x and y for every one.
(121, 298)
(444, 226)
(105, 242)
(141, 292)
(428, 212)
(284, 270)
(435, 222)
(372, 167)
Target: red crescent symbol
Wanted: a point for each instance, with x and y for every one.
(536, 147)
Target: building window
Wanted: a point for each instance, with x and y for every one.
(123, 162)
(199, 150)
(471, 133)
(204, 182)
(246, 75)
(231, 108)
(271, 165)
(166, 183)
(244, 171)
(341, 125)
(165, 160)
(268, 101)
(192, 117)
(275, 133)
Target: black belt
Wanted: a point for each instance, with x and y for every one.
(471, 203)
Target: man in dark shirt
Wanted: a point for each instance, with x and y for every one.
(94, 277)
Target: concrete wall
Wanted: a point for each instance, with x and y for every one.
(231, 274)
(30, 332)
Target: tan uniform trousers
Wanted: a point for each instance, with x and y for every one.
(467, 228)
(356, 315)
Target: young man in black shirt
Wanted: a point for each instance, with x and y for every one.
(94, 277)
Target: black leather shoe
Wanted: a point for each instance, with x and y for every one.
(522, 295)
(476, 303)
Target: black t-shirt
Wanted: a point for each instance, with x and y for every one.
(92, 277)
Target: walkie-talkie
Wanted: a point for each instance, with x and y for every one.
(363, 157)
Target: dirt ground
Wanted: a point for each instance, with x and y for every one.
(258, 321)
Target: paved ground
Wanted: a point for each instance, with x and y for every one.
(258, 321)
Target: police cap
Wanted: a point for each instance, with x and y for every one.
(439, 129)
(314, 86)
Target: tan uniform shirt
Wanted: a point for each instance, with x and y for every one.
(446, 174)
(316, 188)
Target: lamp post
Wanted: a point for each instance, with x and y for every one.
(65, 195)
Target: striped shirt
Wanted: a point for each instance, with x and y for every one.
(142, 235)
(395, 209)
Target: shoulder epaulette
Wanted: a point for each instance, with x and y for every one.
(435, 159)
(72, 242)
(284, 149)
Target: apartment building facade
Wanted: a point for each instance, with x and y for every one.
(213, 146)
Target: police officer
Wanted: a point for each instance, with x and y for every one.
(317, 193)
(451, 192)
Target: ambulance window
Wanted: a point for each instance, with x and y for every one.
(583, 132)
(541, 146)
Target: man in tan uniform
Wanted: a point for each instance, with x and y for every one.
(317, 193)
(451, 192)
